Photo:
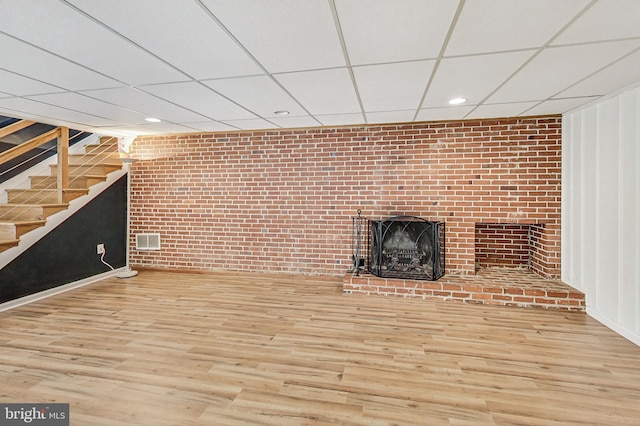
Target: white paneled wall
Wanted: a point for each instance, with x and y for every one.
(601, 209)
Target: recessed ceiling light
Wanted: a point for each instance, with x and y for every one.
(457, 101)
(153, 120)
(281, 112)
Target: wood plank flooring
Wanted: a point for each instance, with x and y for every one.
(239, 349)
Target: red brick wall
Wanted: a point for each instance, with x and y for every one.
(282, 200)
(545, 249)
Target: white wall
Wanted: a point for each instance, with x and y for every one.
(601, 209)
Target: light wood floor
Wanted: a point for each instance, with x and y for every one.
(231, 349)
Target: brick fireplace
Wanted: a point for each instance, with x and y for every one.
(281, 200)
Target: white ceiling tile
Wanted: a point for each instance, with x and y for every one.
(260, 94)
(60, 29)
(127, 130)
(210, 126)
(449, 113)
(144, 103)
(10, 112)
(293, 121)
(500, 110)
(80, 103)
(19, 85)
(257, 123)
(554, 69)
(114, 48)
(555, 105)
(47, 68)
(390, 116)
(616, 76)
(144, 129)
(201, 99)
(283, 35)
(498, 25)
(55, 113)
(606, 20)
(24, 115)
(472, 77)
(341, 119)
(392, 86)
(322, 92)
(122, 130)
(162, 128)
(392, 31)
(180, 32)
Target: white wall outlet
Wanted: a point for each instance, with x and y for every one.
(100, 248)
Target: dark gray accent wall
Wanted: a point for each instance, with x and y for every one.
(68, 253)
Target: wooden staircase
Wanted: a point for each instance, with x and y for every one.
(28, 209)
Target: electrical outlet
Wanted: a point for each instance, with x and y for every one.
(100, 248)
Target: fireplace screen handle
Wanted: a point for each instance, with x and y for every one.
(358, 260)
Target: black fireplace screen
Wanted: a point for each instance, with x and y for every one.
(406, 247)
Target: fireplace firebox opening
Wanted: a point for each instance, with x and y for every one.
(509, 245)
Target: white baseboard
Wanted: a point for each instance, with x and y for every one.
(56, 290)
(618, 328)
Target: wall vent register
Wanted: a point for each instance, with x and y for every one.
(148, 242)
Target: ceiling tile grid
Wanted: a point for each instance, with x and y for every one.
(219, 65)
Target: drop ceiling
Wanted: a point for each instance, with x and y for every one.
(220, 65)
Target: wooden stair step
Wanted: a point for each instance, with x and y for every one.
(7, 244)
(75, 181)
(108, 140)
(106, 145)
(9, 212)
(98, 168)
(96, 149)
(42, 196)
(11, 230)
(94, 158)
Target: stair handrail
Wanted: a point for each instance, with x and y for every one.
(62, 134)
(27, 146)
(14, 127)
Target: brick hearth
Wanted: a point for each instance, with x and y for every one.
(490, 286)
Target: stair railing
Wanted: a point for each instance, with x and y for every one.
(62, 134)
(63, 182)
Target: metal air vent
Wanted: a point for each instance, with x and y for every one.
(148, 242)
